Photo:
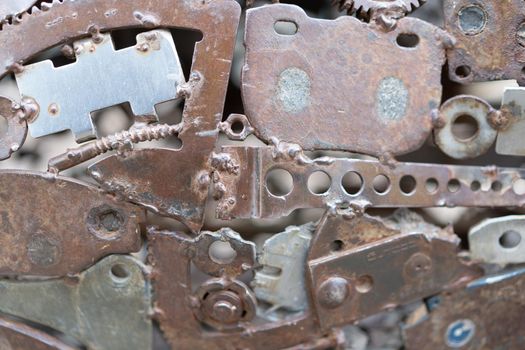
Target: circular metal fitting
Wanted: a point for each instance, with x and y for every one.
(472, 109)
(224, 304)
(460, 333)
(14, 135)
(472, 19)
(333, 292)
(236, 127)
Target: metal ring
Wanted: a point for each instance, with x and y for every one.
(470, 147)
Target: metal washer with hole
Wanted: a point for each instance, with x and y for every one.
(470, 147)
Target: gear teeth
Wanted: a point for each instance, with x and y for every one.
(32, 11)
(362, 8)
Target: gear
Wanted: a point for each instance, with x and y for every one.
(364, 9)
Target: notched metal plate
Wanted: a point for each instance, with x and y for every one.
(143, 75)
(381, 94)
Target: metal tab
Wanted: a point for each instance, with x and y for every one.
(510, 140)
(499, 240)
(101, 78)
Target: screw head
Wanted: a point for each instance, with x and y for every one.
(224, 311)
(333, 292)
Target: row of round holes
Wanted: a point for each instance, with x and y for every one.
(279, 182)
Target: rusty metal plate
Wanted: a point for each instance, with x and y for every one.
(490, 40)
(488, 314)
(433, 185)
(341, 84)
(18, 336)
(54, 226)
(170, 260)
(353, 281)
(205, 91)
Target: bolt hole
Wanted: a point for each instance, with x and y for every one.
(237, 127)
(475, 186)
(431, 185)
(465, 128)
(453, 185)
(519, 187)
(364, 284)
(110, 220)
(352, 183)
(119, 272)
(221, 252)
(319, 182)
(337, 245)
(279, 182)
(463, 72)
(497, 186)
(381, 184)
(407, 40)
(285, 27)
(407, 184)
(510, 239)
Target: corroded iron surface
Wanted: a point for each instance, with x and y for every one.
(192, 232)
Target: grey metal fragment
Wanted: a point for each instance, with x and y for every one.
(499, 240)
(392, 99)
(101, 78)
(281, 281)
(293, 90)
(106, 307)
(510, 140)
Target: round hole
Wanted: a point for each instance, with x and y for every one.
(465, 127)
(364, 284)
(381, 184)
(407, 40)
(472, 20)
(111, 220)
(279, 182)
(407, 184)
(431, 185)
(518, 187)
(336, 245)
(3, 125)
(221, 252)
(475, 186)
(119, 272)
(352, 183)
(497, 186)
(453, 185)
(319, 182)
(285, 27)
(510, 239)
(237, 127)
(463, 72)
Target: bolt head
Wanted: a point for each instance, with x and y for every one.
(333, 292)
